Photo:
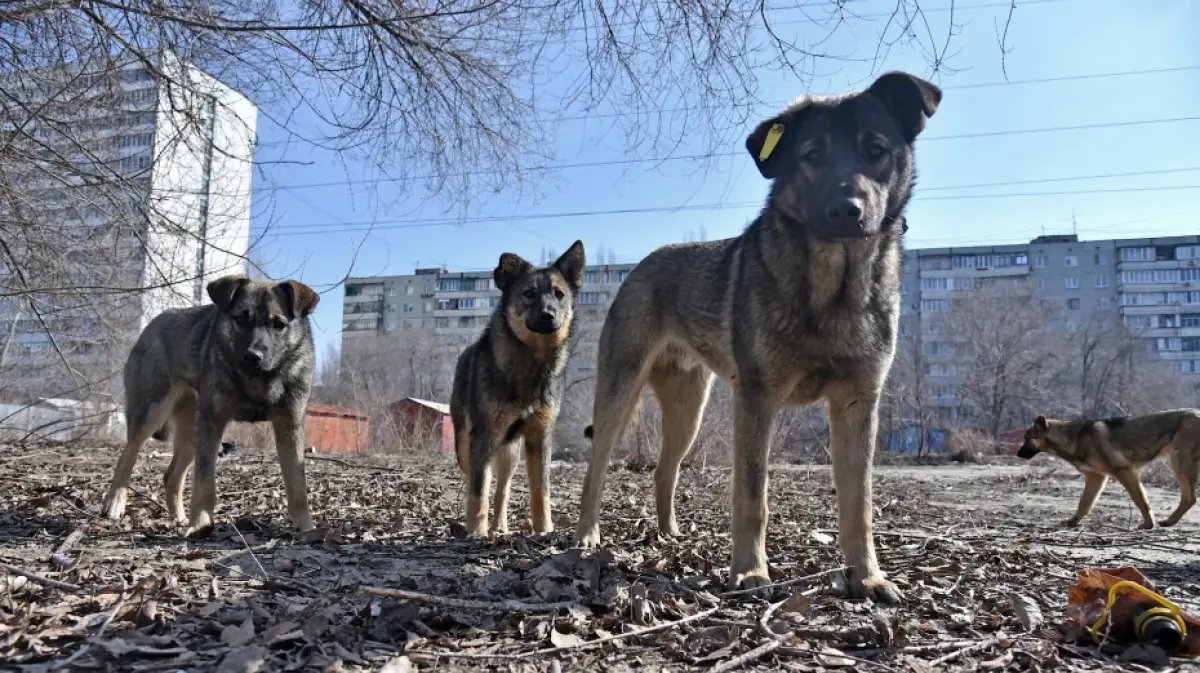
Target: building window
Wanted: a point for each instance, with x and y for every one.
(1021, 260)
(466, 302)
(591, 277)
(592, 297)
(1187, 252)
(934, 283)
(1189, 275)
(428, 306)
(447, 304)
(1100, 281)
(1136, 254)
(1040, 262)
(408, 290)
(1073, 304)
(1103, 302)
(903, 287)
(1072, 282)
(1071, 260)
(1041, 283)
(443, 322)
(1072, 327)
(1189, 320)
(449, 284)
(466, 321)
(934, 305)
(1101, 259)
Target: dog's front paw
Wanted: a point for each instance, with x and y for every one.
(876, 588)
(1146, 525)
(1071, 523)
(589, 538)
(202, 526)
(753, 581)
(114, 505)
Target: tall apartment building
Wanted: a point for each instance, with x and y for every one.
(141, 180)
(1152, 284)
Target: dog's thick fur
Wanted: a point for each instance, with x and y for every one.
(508, 387)
(246, 357)
(1120, 448)
(803, 306)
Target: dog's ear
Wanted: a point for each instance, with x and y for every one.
(1040, 423)
(571, 264)
(909, 100)
(510, 268)
(302, 298)
(762, 145)
(223, 290)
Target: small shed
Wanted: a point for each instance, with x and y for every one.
(336, 429)
(1008, 443)
(422, 422)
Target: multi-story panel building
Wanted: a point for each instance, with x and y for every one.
(1152, 284)
(147, 188)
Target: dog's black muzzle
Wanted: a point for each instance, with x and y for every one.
(544, 324)
(1028, 450)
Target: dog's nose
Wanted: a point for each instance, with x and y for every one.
(844, 212)
(252, 357)
(546, 318)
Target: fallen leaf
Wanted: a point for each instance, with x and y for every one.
(399, 664)
(238, 635)
(560, 639)
(822, 538)
(1027, 610)
(248, 659)
(833, 658)
(797, 604)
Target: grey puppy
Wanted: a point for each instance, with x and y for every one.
(246, 357)
(803, 306)
(508, 386)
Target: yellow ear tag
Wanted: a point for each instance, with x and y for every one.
(772, 140)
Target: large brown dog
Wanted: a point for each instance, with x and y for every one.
(1119, 448)
(247, 357)
(803, 306)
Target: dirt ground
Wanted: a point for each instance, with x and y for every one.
(960, 540)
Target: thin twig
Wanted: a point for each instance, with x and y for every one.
(34, 577)
(250, 551)
(966, 650)
(773, 585)
(112, 613)
(579, 646)
(753, 655)
(507, 605)
(339, 461)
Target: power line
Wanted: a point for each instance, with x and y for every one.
(384, 225)
(698, 157)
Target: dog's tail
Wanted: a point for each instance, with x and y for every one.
(587, 432)
(163, 433)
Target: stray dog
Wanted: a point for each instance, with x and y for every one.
(803, 306)
(508, 387)
(246, 357)
(1120, 448)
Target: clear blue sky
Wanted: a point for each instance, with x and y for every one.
(1047, 39)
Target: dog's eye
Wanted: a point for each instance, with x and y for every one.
(875, 152)
(812, 156)
(529, 294)
(558, 294)
(242, 319)
(278, 323)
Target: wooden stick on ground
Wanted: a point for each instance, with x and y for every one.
(785, 583)
(747, 657)
(507, 605)
(982, 645)
(45, 581)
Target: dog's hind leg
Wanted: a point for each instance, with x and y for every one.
(619, 381)
(184, 421)
(682, 395)
(1129, 479)
(1187, 473)
(142, 421)
(1093, 486)
(853, 423)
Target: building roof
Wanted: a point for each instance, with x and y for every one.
(333, 410)
(436, 406)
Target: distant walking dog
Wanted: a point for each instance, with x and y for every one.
(246, 357)
(1120, 448)
(508, 387)
(803, 306)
